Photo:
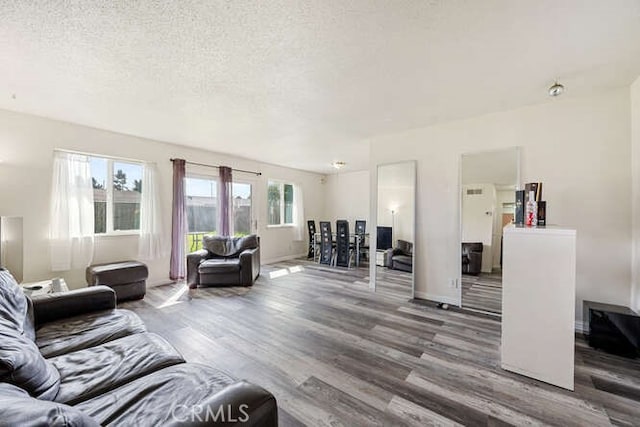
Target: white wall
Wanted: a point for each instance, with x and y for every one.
(478, 220)
(400, 199)
(635, 170)
(346, 196)
(12, 250)
(579, 148)
(26, 154)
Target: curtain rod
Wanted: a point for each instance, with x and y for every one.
(98, 155)
(214, 166)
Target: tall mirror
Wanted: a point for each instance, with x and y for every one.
(488, 183)
(395, 229)
(11, 248)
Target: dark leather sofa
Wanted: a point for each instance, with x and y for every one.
(400, 257)
(472, 258)
(73, 359)
(224, 261)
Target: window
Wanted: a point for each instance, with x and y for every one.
(202, 210)
(202, 205)
(117, 187)
(241, 195)
(280, 203)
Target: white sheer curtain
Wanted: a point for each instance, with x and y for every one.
(151, 242)
(298, 213)
(71, 225)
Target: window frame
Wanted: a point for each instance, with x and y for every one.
(253, 220)
(281, 184)
(109, 231)
(203, 177)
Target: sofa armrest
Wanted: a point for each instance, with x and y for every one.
(241, 403)
(249, 265)
(193, 261)
(388, 257)
(50, 307)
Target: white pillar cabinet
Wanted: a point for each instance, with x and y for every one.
(538, 303)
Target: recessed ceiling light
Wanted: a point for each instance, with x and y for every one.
(556, 89)
(338, 164)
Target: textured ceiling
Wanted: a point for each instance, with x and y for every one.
(301, 83)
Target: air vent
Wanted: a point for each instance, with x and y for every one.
(474, 191)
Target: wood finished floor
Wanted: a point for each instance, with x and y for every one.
(393, 283)
(482, 292)
(333, 353)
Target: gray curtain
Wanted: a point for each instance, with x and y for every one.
(226, 181)
(178, 223)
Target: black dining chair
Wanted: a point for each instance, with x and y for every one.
(361, 230)
(344, 247)
(326, 243)
(313, 244)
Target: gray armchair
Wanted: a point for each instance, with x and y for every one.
(400, 257)
(224, 261)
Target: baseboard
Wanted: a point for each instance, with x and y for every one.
(284, 258)
(436, 298)
(580, 327)
(162, 282)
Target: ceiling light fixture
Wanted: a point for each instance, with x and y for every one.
(556, 89)
(338, 165)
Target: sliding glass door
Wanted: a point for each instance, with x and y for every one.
(203, 209)
(242, 212)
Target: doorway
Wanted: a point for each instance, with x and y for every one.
(203, 209)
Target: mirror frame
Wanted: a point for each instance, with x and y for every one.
(374, 220)
(518, 151)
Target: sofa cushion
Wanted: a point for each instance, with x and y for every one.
(80, 332)
(22, 364)
(155, 398)
(17, 408)
(219, 265)
(229, 246)
(403, 259)
(86, 373)
(15, 307)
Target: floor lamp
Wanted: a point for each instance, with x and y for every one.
(393, 224)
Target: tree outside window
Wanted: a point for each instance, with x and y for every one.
(273, 196)
(280, 203)
(117, 189)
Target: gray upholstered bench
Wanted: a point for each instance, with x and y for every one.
(127, 278)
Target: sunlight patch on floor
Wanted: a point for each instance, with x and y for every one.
(296, 269)
(278, 273)
(285, 271)
(175, 298)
